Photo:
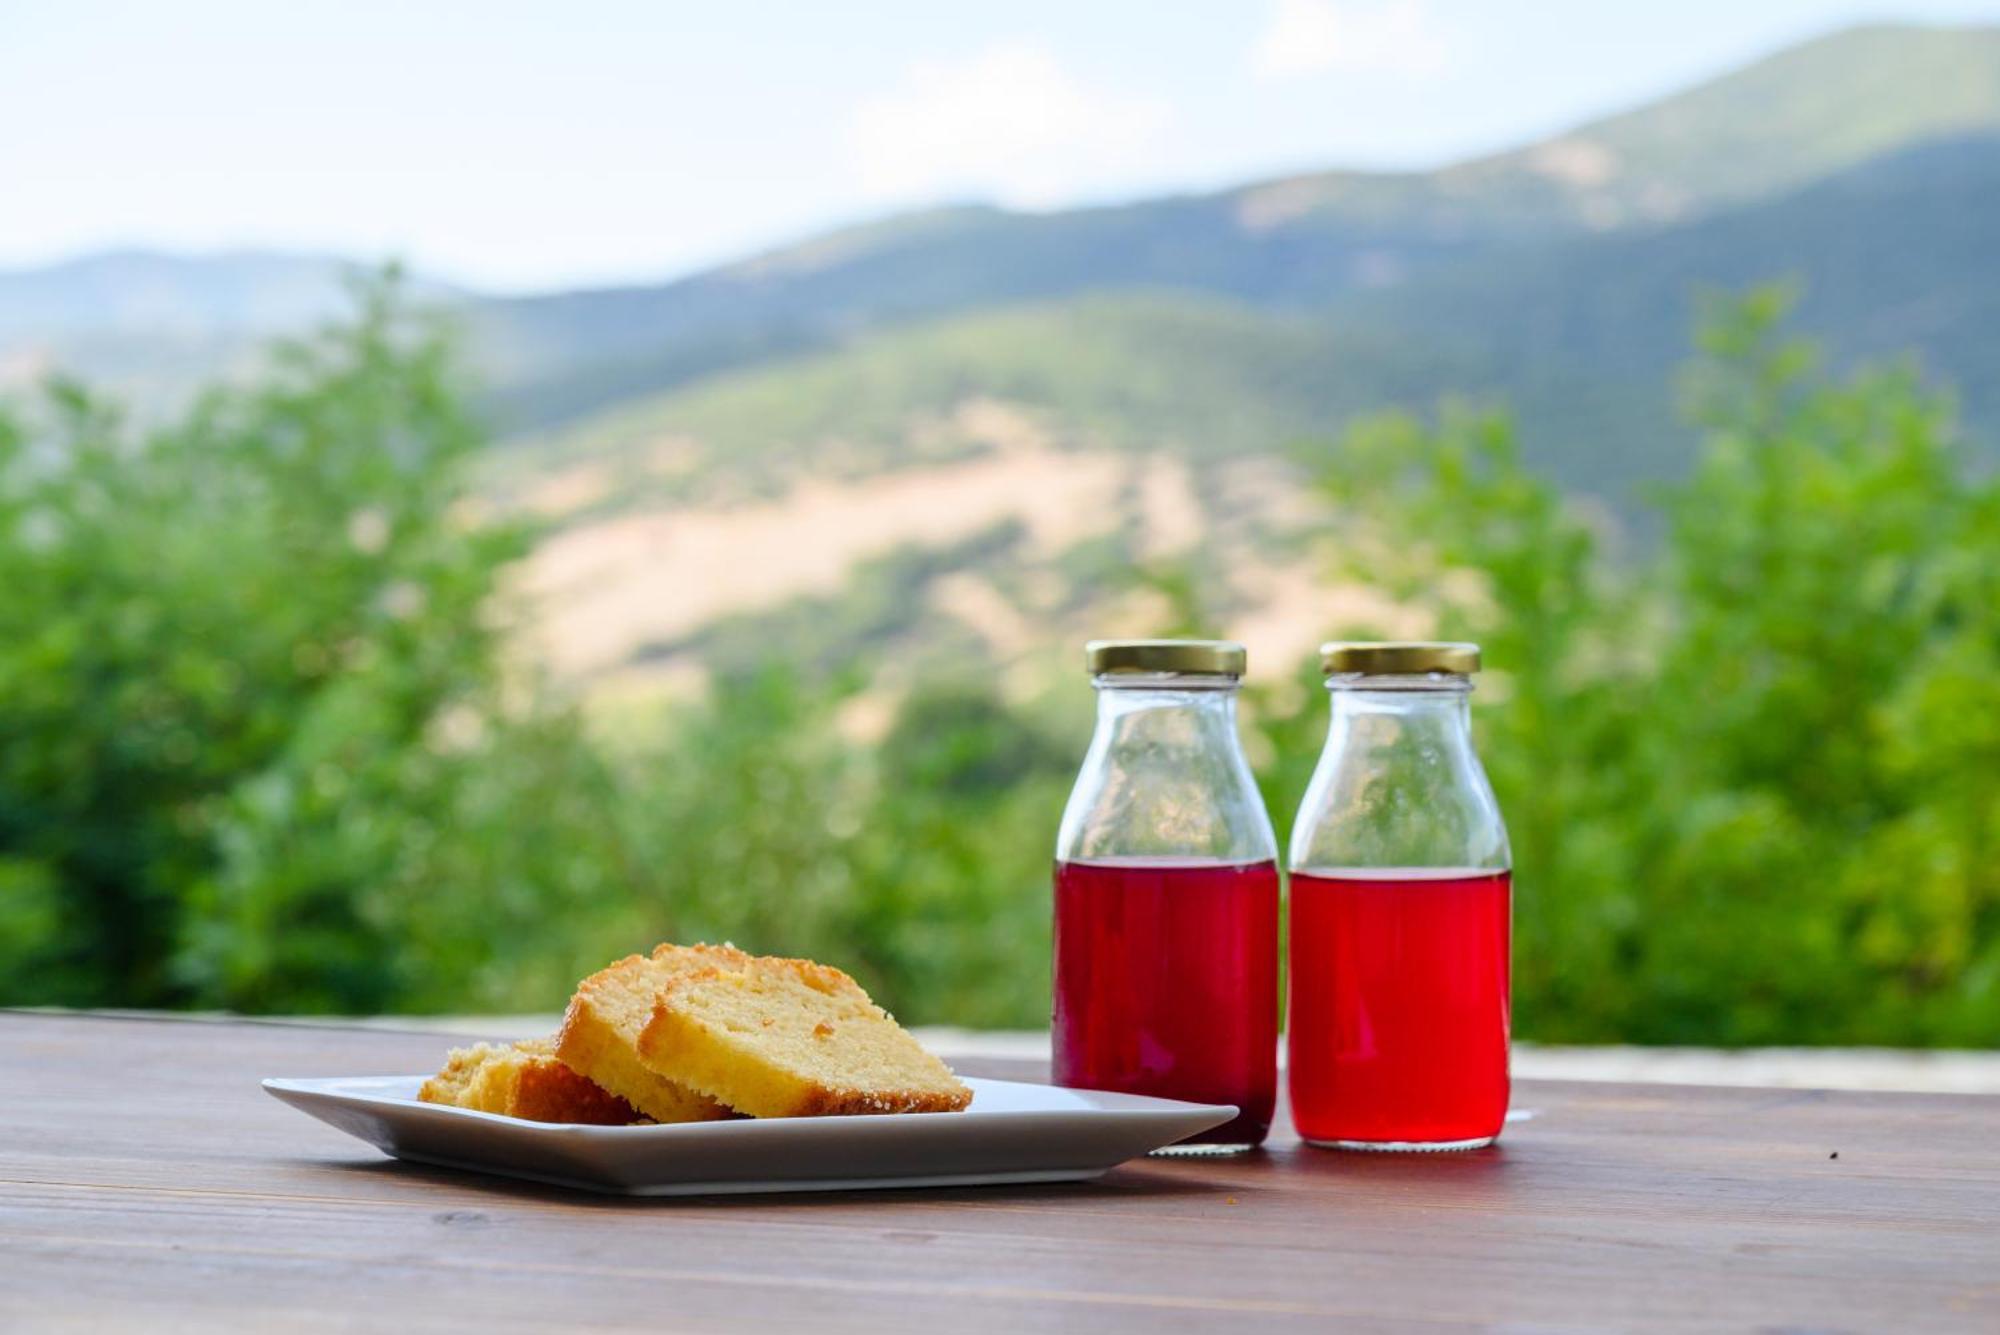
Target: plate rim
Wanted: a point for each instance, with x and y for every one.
(1151, 1107)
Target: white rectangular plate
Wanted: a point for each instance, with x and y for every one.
(1013, 1132)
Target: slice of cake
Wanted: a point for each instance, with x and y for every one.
(790, 1038)
(600, 1033)
(523, 1080)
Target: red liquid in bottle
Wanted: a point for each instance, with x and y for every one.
(1166, 983)
(1399, 1017)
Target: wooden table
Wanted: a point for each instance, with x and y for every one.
(145, 1181)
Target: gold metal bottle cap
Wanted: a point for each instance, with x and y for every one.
(1398, 657)
(1208, 658)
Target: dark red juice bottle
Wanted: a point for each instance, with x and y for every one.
(1401, 914)
(1166, 895)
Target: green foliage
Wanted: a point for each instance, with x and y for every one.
(263, 752)
(920, 864)
(1750, 779)
(263, 748)
(222, 644)
(957, 858)
(1207, 377)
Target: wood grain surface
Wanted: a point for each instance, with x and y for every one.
(147, 1182)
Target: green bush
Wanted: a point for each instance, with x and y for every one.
(235, 660)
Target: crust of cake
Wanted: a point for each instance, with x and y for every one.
(791, 1038)
(600, 1031)
(524, 1080)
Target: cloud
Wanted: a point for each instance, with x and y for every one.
(1307, 37)
(1009, 123)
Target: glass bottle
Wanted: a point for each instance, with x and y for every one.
(1166, 894)
(1401, 913)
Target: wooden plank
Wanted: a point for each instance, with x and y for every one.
(146, 1181)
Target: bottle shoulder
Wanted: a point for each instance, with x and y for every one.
(1399, 792)
(1166, 783)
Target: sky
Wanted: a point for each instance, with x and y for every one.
(527, 146)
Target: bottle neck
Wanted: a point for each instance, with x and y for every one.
(1432, 717)
(1165, 703)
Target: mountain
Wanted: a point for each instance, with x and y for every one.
(1582, 336)
(1032, 442)
(1297, 244)
(153, 325)
(1012, 418)
(141, 292)
(1891, 258)
(1291, 244)
(964, 430)
(1208, 379)
(1802, 114)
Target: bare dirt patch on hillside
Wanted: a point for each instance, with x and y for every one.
(602, 589)
(612, 584)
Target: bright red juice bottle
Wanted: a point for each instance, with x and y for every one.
(1399, 1016)
(1401, 913)
(1166, 894)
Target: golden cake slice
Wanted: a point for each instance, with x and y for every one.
(600, 1032)
(791, 1038)
(523, 1080)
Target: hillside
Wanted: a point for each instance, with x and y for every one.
(970, 432)
(1811, 111)
(1204, 378)
(1023, 439)
(1891, 258)
(1583, 336)
(974, 485)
